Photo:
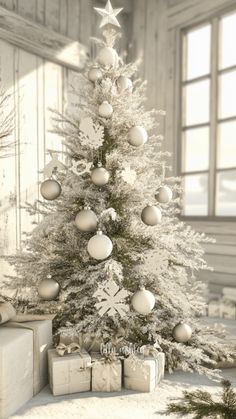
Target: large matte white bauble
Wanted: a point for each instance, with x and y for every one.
(94, 74)
(99, 246)
(107, 57)
(164, 195)
(182, 332)
(50, 189)
(124, 83)
(143, 301)
(151, 215)
(100, 176)
(86, 220)
(48, 289)
(105, 109)
(137, 136)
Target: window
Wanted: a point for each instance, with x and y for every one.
(208, 118)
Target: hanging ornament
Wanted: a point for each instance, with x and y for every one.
(143, 301)
(107, 57)
(111, 299)
(86, 220)
(48, 289)
(50, 189)
(94, 74)
(53, 165)
(151, 215)
(105, 109)
(100, 176)
(91, 133)
(164, 195)
(108, 15)
(137, 136)
(79, 168)
(182, 332)
(99, 246)
(128, 175)
(124, 83)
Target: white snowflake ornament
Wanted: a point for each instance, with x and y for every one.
(111, 299)
(91, 133)
(79, 168)
(128, 175)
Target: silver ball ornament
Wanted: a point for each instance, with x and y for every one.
(182, 332)
(50, 189)
(99, 246)
(164, 195)
(151, 215)
(107, 57)
(100, 176)
(143, 301)
(48, 289)
(94, 74)
(105, 109)
(137, 136)
(86, 220)
(124, 83)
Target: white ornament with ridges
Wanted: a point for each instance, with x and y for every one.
(100, 176)
(105, 109)
(164, 195)
(99, 246)
(86, 220)
(124, 83)
(94, 74)
(91, 133)
(137, 136)
(48, 289)
(182, 332)
(143, 301)
(151, 215)
(50, 189)
(107, 57)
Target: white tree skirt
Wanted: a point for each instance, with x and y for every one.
(124, 405)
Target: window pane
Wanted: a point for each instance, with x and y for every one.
(196, 106)
(227, 145)
(226, 193)
(227, 41)
(195, 149)
(196, 194)
(198, 52)
(227, 102)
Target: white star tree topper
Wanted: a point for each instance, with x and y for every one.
(108, 15)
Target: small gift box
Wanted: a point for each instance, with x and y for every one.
(227, 309)
(214, 308)
(106, 374)
(69, 369)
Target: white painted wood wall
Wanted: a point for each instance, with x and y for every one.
(156, 27)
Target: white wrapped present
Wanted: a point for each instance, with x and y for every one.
(16, 369)
(69, 373)
(227, 309)
(106, 374)
(214, 308)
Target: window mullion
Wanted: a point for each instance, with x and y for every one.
(213, 117)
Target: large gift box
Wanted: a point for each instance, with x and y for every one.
(106, 374)
(69, 373)
(143, 372)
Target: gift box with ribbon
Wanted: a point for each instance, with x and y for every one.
(106, 373)
(69, 369)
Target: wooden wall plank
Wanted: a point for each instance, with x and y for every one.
(52, 14)
(27, 9)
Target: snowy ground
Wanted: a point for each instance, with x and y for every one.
(124, 405)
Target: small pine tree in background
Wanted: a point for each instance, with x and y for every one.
(115, 171)
(202, 405)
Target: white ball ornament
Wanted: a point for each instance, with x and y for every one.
(107, 57)
(94, 74)
(137, 136)
(105, 109)
(143, 301)
(50, 189)
(100, 176)
(164, 195)
(99, 246)
(182, 332)
(124, 83)
(151, 215)
(86, 220)
(48, 289)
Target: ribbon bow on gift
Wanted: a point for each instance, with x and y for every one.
(72, 348)
(149, 350)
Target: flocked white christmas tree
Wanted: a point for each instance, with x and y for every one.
(110, 257)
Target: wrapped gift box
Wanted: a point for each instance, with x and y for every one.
(106, 376)
(16, 369)
(69, 373)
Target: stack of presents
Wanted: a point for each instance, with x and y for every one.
(223, 306)
(29, 360)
